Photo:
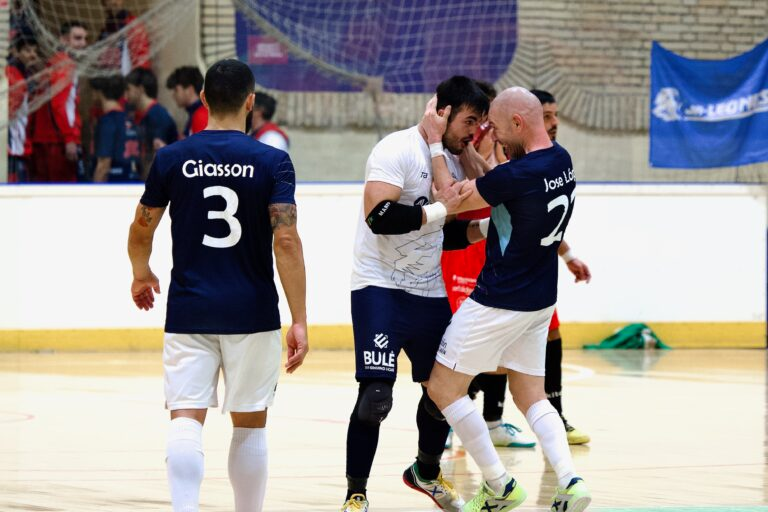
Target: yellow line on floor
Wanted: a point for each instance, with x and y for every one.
(677, 335)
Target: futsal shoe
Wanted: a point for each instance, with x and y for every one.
(575, 436)
(440, 490)
(574, 498)
(506, 435)
(512, 496)
(356, 503)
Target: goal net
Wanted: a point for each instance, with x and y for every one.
(141, 26)
(408, 46)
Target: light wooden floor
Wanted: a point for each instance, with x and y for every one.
(681, 430)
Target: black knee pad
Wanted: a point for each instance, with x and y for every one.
(430, 406)
(374, 402)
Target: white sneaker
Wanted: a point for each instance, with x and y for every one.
(507, 435)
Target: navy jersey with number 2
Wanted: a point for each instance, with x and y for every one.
(532, 200)
(220, 184)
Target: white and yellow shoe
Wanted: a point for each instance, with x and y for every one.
(574, 498)
(575, 436)
(486, 499)
(356, 503)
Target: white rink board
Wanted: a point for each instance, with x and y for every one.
(664, 253)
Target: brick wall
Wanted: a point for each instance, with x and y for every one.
(595, 54)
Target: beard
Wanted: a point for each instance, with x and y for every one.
(456, 146)
(552, 134)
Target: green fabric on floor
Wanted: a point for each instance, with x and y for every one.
(632, 336)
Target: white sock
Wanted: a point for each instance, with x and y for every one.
(493, 424)
(548, 426)
(184, 462)
(469, 425)
(248, 468)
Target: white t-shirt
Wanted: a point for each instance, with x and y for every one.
(274, 139)
(410, 261)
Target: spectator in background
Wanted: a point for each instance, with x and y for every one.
(185, 84)
(23, 59)
(134, 48)
(262, 128)
(55, 129)
(155, 126)
(19, 25)
(116, 144)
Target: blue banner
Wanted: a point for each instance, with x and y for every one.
(410, 45)
(709, 113)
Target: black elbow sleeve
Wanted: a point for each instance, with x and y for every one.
(392, 218)
(455, 235)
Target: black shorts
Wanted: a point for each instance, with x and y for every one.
(386, 320)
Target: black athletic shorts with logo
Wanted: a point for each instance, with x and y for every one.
(386, 320)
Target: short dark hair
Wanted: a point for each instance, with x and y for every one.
(186, 76)
(461, 91)
(142, 77)
(22, 41)
(266, 103)
(487, 88)
(544, 96)
(228, 83)
(67, 27)
(112, 87)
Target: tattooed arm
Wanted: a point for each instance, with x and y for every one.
(289, 258)
(140, 239)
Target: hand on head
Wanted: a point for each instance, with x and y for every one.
(435, 123)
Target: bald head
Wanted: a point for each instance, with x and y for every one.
(517, 100)
(517, 118)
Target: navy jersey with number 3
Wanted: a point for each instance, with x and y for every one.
(220, 185)
(532, 200)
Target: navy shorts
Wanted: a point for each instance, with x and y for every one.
(385, 321)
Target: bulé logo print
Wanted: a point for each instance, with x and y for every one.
(381, 341)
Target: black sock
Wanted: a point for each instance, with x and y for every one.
(553, 377)
(494, 387)
(474, 387)
(432, 436)
(362, 440)
(356, 486)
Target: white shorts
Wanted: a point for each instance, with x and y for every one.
(250, 363)
(481, 339)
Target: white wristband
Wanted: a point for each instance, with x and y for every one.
(436, 149)
(568, 256)
(483, 224)
(435, 211)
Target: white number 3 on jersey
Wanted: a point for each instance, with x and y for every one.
(228, 215)
(556, 235)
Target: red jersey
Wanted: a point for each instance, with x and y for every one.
(133, 51)
(269, 127)
(58, 121)
(461, 268)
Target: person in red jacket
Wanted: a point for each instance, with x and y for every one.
(23, 59)
(55, 130)
(185, 84)
(134, 49)
(261, 126)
